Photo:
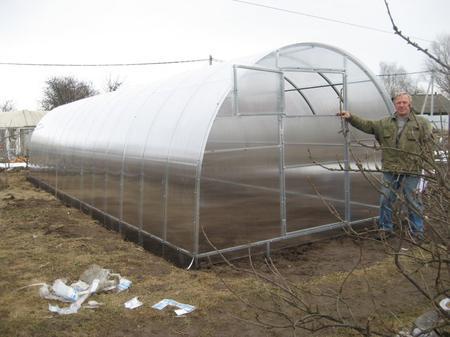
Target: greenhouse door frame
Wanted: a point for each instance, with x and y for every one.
(343, 106)
(282, 116)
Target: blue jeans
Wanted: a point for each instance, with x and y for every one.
(397, 184)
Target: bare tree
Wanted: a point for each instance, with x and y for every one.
(441, 48)
(7, 105)
(113, 85)
(63, 90)
(408, 40)
(396, 79)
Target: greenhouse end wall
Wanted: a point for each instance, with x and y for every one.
(232, 156)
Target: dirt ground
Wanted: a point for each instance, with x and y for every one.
(42, 240)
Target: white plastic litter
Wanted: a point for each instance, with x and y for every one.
(62, 290)
(73, 309)
(445, 304)
(93, 305)
(182, 308)
(124, 284)
(108, 281)
(80, 286)
(94, 279)
(133, 303)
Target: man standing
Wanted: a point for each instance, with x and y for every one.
(405, 141)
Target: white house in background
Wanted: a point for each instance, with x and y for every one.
(15, 133)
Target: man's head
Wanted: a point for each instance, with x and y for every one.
(402, 103)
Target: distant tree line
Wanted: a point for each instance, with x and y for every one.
(67, 89)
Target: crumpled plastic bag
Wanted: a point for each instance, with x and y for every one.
(93, 279)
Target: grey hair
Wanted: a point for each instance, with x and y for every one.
(403, 93)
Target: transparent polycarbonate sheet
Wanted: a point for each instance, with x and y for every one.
(53, 131)
(112, 187)
(257, 168)
(313, 154)
(310, 57)
(308, 190)
(312, 94)
(153, 202)
(306, 137)
(258, 91)
(132, 195)
(232, 215)
(240, 185)
(226, 109)
(242, 132)
(180, 205)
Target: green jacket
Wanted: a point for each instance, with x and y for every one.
(406, 153)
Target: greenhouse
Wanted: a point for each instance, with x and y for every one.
(234, 157)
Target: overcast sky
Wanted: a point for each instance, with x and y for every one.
(130, 31)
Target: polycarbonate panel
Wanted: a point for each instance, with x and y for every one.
(180, 205)
(309, 154)
(153, 193)
(258, 92)
(310, 57)
(312, 93)
(133, 180)
(232, 215)
(313, 130)
(243, 132)
(256, 167)
(310, 188)
(240, 195)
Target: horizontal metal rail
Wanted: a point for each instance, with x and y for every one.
(289, 167)
(290, 192)
(327, 85)
(289, 235)
(309, 116)
(243, 149)
(268, 70)
(313, 70)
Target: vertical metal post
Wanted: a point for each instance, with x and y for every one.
(235, 92)
(281, 142)
(141, 206)
(268, 249)
(277, 59)
(432, 94)
(121, 188)
(82, 196)
(56, 178)
(197, 210)
(347, 184)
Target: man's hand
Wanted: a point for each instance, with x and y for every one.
(344, 114)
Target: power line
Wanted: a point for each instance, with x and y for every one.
(106, 64)
(324, 18)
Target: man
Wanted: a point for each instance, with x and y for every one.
(405, 141)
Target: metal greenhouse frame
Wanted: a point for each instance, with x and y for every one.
(232, 157)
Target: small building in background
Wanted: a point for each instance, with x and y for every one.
(15, 133)
(435, 108)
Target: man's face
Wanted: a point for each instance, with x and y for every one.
(402, 106)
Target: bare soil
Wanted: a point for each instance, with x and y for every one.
(42, 240)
